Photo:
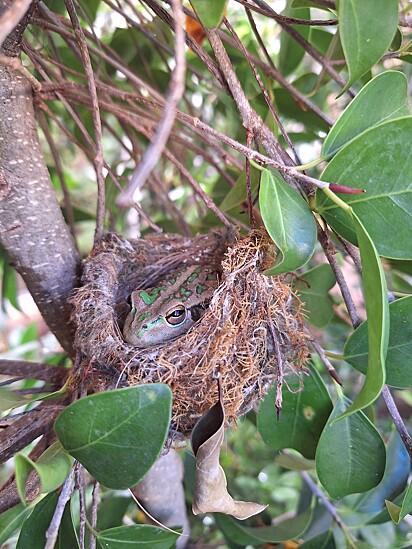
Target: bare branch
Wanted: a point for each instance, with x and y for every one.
(176, 89)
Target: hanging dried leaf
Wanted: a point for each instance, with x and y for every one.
(211, 493)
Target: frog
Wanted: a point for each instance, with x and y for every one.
(163, 313)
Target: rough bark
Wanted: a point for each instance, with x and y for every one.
(32, 227)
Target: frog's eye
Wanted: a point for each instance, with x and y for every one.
(176, 316)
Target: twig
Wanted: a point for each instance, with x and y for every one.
(15, 64)
(330, 508)
(332, 372)
(326, 244)
(176, 89)
(53, 529)
(11, 18)
(279, 370)
(98, 160)
(95, 504)
(249, 137)
(82, 504)
(398, 421)
(257, 76)
(290, 20)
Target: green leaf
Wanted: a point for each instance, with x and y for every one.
(136, 535)
(238, 193)
(11, 519)
(108, 432)
(350, 457)
(383, 98)
(33, 531)
(399, 513)
(291, 53)
(304, 414)
(378, 161)
(377, 310)
(247, 535)
(294, 462)
(210, 12)
(322, 541)
(398, 363)
(289, 222)
(53, 466)
(367, 29)
(10, 400)
(313, 288)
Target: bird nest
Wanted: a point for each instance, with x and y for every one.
(250, 335)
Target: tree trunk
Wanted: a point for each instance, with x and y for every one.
(32, 227)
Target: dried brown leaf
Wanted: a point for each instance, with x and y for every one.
(211, 493)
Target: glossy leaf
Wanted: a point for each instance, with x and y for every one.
(399, 513)
(378, 161)
(289, 222)
(210, 12)
(365, 42)
(53, 466)
(398, 358)
(247, 535)
(108, 432)
(136, 535)
(12, 519)
(313, 288)
(377, 310)
(382, 98)
(350, 457)
(304, 415)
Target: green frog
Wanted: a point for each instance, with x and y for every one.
(164, 313)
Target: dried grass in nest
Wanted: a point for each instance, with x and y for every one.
(234, 338)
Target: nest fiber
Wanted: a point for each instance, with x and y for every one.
(252, 330)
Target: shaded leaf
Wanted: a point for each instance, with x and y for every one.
(313, 287)
(377, 310)
(350, 457)
(323, 541)
(53, 466)
(394, 479)
(106, 430)
(33, 531)
(294, 462)
(289, 222)
(398, 363)
(304, 415)
(136, 535)
(210, 12)
(211, 493)
(249, 535)
(10, 400)
(399, 513)
(382, 98)
(238, 193)
(378, 161)
(291, 53)
(12, 519)
(365, 42)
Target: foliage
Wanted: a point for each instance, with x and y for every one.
(333, 115)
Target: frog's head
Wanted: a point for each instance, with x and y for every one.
(157, 325)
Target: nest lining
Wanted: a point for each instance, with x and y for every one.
(234, 338)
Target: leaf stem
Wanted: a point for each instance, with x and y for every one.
(338, 201)
(310, 164)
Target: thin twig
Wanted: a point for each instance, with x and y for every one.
(249, 138)
(290, 20)
(53, 529)
(98, 160)
(15, 64)
(95, 504)
(332, 372)
(82, 504)
(327, 246)
(176, 89)
(329, 507)
(398, 421)
(279, 370)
